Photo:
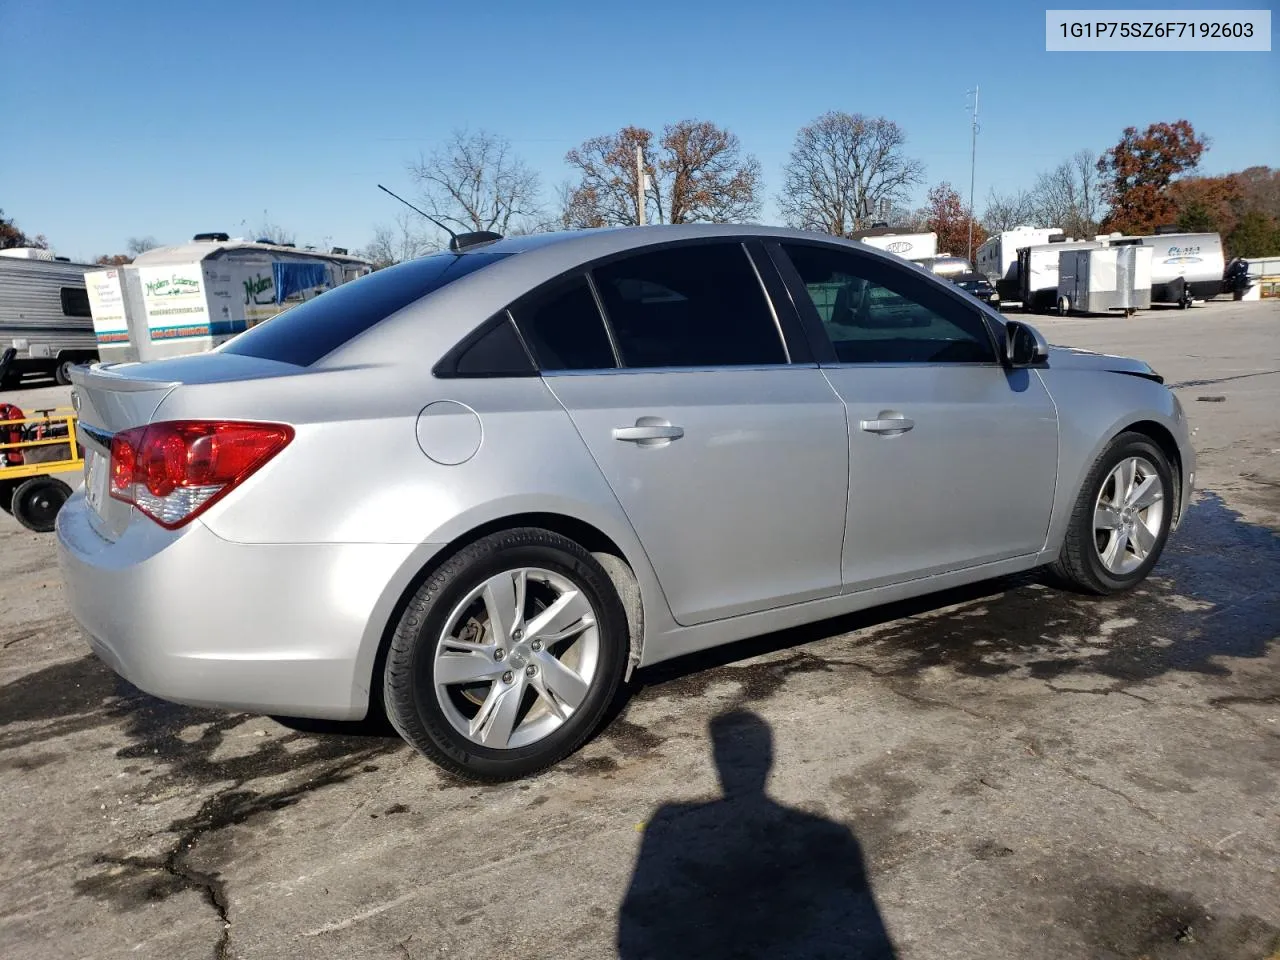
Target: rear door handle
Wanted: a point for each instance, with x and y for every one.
(891, 425)
(649, 431)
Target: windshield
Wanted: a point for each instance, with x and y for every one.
(312, 330)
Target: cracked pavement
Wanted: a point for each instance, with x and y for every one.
(1002, 771)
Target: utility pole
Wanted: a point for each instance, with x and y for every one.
(640, 184)
(973, 157)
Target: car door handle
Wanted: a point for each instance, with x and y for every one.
(893, 425)
(648, 434)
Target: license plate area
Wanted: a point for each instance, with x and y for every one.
(95, 480)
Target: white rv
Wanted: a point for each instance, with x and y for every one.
(997, 257)
(191, 297)
(44, 314)
(1184, 266)
(909, 246)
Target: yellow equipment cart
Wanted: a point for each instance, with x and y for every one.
(33, 451)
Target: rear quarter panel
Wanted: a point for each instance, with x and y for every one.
(1094, 407)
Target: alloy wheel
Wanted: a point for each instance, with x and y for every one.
(1128, 515)
(516, 658)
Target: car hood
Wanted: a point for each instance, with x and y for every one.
(1073, 358)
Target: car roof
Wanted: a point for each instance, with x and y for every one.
(519, 264)
(578, 246)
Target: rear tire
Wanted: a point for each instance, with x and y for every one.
(62, 372)
(488, 645)
(1118, 529)
(36, 502)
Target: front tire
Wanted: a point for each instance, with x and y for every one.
(507, 657)
(62, 372)
(1121, 519)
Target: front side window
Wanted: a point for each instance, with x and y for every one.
(690, 306)
(876, 313)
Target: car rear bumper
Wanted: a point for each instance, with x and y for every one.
(266, 628)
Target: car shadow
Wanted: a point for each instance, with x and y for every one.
(746, 876)
(1211, 595)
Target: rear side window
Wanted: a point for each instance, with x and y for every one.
(494, 350)
(694, 306)
(562, 325)
(305, 333)
(75, 302)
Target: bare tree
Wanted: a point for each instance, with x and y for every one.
(397, 243)
(697, 172)
(137, 245)
(274, 233)
(846, 171)
(1070, 196)
(1008, 210)
(475, 182)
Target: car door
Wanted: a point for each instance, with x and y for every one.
(729, 460)
(953, 458)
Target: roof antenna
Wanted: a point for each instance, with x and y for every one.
(453, 237)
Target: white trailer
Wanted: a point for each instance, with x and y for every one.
(909, 246)
(1038, 272)
(1184, 266)
(1105, 279)
(191, 297)
(997, 257)
(44, 314)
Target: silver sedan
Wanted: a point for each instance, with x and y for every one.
(477, 489)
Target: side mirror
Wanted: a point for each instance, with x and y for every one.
(1023, 345)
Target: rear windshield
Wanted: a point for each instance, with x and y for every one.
(311, 330)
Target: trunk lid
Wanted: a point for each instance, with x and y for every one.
(109, 398)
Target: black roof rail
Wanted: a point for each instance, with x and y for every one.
(217, 237)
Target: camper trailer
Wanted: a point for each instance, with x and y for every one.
(997, 257)
(1184, 266)
(191, 297)
(44, 314)
(909, 246)
(1038, 272)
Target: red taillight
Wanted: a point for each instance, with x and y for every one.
(174, 471)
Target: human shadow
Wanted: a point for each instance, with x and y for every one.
(745, 876)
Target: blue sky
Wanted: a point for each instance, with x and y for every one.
(135, 118)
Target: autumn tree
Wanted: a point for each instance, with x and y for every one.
(1005, 211)
(846, 171)
(1138, 170)
(1260, 190)
(114, 259)
(11, 236)
(1207, 204)
(1256, 235)
(475, 181)
(696, 172)
(948, 217)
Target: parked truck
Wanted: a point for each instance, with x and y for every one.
(44, 314)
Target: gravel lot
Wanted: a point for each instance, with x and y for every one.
(1000, 772)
